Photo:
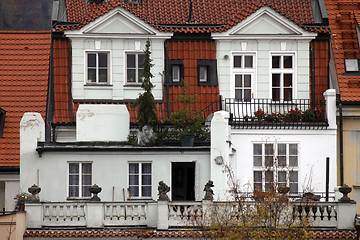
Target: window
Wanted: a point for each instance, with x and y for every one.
(140, 180)
(134, 68)
(79, 179)
(97, 68)
(207, 72)
(2, 121)
(243, 68)
(282, 77)
(203, 73)
(275, 165)
(351, 65)
(176, 73)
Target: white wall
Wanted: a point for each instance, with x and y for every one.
(117, 47)
(262, 48)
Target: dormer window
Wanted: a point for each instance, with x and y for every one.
(203, 74)
(351, 65)
(2, 121)
(207, 72)
(97, 66)
(176, 73)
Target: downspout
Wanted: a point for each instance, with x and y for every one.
(50, 95)
(312, 59)
(341, 139)
(166, 80)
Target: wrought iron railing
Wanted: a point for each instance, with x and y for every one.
(265, 113)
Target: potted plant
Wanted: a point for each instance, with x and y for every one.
(186, 123)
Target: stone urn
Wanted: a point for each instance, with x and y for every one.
(345, 190)
(95, 190)
(34, 190)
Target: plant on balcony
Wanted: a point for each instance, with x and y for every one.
(260, 114)
(186, 123)
(315, 115)
(293, 115)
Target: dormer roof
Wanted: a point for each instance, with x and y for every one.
(191, 16)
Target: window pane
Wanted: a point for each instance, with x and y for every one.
(86, 191)
(238, 80)
(74, 180)
(238, 94)
(269, 161)
(293, 149)
(91, 59)
(282, 161)
(140, 79)
(91, 75)
(103, 75)
(257, 176)
(257, 187)
(257, 149)
(73, 191)
(73, 168)
(269, 149)
(133, 168)
(133, 179)
(294, 187)
(276, 94)
(288, 61)
(134, 191)
(146, 180)
(203, 73)
(282, 176)
(130, 61)
(176, 73)
(282, 149)
(146, 191)
(86, 168)
(287, 80)
(275, 61)
(86, 180)
(247, 95)
(131, 75)
(146, 168)
(293, 176)
(141, 59)
(293, 161)
(257, 161)
(269, 176)
(248, 61)
(237, 61)
(287, 94)
(103, 60)
(276, 80)
(247, 80)
(351, 65)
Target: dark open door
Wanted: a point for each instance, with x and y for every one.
(183, 181)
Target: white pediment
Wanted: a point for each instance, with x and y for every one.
(118, 21)
(266, 21)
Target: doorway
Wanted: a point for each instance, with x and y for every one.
(183, 181)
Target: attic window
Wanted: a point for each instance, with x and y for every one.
(133, 1)
(2, 121)
(351, 65)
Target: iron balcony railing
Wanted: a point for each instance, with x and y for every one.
(265, 113)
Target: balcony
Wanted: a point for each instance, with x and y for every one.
(169, 215)
(268, 114)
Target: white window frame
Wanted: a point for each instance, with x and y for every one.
(136, 67)
(80, 180)
(283, 71)
(243, 71)
(276, 168)
(109, 74)
(139, 180)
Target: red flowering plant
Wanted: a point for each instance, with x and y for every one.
(294, 115)
(260, 114)
(314, 115)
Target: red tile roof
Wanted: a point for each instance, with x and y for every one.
(342, 17)
(24, 67)
(161, 14)
(146, 233)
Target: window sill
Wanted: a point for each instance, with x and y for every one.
(140, 199)
(134, 85)
(85, 199)
(100, 86)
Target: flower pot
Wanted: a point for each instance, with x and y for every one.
(187, 140)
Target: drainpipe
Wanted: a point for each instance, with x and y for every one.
(341, 139)
(312, 59)
(166, 80)
(50, 95)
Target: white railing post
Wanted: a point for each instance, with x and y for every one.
(163, 215)
(330, 97)
(207, 211)
(346, 215)
(152, 212)
(95, 214)
(34, 215)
